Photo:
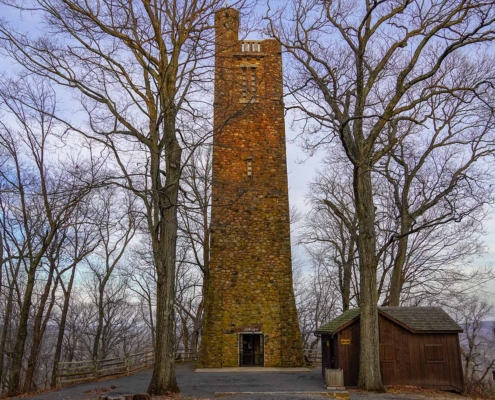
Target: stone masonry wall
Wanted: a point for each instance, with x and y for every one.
(250, 287)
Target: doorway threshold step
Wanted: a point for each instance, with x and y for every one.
(252, 369)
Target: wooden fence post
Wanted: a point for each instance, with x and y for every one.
(128, 363)
(57, 379)
(57, 373)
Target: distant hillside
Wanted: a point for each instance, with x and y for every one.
(487, 327)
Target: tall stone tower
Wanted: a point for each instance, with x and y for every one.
(251, 317)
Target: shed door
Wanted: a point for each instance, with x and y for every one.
(435, 364)
(388, 367)
(348, 358)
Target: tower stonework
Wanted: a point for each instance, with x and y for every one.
(250, 316)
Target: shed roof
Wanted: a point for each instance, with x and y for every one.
(417, 319)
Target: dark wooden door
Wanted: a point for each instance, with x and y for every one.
(251, 350)
(348, 356)
(388, 367)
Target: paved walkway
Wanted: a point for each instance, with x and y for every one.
(204, 385)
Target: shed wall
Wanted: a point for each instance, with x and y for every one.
(427, 360)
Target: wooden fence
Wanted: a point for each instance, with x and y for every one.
(88, 370)
(312, 355)
(184, 356)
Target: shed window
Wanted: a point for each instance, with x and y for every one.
(434, 353)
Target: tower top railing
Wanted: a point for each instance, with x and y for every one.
(251, 46)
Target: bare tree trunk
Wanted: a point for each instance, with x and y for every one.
(61, 328)
(346, 284)
(39, 327)
(18, 353)
(185, 331)
(346, 287)
(5, 329)
(152, 322)
(164, 251)
(99, 327)
(6, 323)
(369, 361)
(397, 279)
(163, 379)
(198, 323)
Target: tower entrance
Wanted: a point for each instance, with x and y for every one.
(251, 349)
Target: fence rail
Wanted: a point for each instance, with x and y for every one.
(88, 370)
(184, 356)
(313, 355)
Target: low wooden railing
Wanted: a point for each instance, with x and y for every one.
(88, 370)
(185, 356)
(313, 355)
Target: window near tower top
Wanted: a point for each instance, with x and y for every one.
(248, 83)
(253, 82)
(244, 82)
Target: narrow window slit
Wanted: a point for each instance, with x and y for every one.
(244, 83)
(253, 82)
(250, 168)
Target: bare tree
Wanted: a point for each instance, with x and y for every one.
(46, 199)
(316, 301)
(475, 315)
(44, 309)
(117, 225)
(194, 224)
(361, 70)
(436, 256)
(141, 275)
(330, 230)
(82, 240)
(431, 183)
(11, 271)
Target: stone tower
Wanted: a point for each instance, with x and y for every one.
(251, 315)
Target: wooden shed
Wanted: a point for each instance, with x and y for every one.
(419, 346)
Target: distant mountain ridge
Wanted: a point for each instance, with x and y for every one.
(487, 328)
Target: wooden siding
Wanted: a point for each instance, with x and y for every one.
(406, 358)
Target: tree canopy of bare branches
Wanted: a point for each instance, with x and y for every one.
(370, 76)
